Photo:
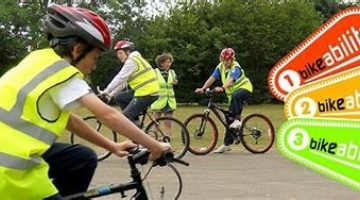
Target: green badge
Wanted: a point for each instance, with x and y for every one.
(329, 146)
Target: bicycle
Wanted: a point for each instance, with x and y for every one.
(178, 136)
(140, 156)
(256, 132)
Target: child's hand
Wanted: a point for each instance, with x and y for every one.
(121, 149)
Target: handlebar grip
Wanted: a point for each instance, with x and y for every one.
(141, 156)
(166, 158)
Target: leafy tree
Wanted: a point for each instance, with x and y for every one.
(127, 21)
(17, 35)
(261, 32)
(330, 7)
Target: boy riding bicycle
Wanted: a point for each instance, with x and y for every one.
(237, 87)
(38, 99)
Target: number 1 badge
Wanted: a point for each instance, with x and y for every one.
(332, 48)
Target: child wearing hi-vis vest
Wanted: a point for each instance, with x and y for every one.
(166, 103)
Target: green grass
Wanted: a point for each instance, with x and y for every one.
(272, 111)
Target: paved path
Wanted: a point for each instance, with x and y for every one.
(241, 175)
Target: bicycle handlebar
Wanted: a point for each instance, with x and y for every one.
(136, 156)
(141, 156)
(209, 92)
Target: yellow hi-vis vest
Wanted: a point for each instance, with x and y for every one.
(24, 133)
(241, 82)
(143, 81)
(166, 94)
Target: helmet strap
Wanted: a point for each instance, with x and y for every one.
(82, 55)
(69, 42)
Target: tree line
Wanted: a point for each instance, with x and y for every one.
(260, 31)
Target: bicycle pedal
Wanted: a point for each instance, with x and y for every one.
(237, 140)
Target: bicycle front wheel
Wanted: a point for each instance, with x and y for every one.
(203, 134)
(169, 129)
(258, 133)
(102, 153)
(163, 183)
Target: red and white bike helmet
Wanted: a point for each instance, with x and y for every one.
(227, 54)
(124, 44)
(64, 21)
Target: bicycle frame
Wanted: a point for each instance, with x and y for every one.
(137, 156)
(219, 112)
(205, 132)
(143, 115)
(135, 184)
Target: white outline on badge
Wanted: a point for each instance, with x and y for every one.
(319, 85)
(321, 122)
(303, 46)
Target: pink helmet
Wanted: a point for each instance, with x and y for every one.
(227, 53)
(124, 44)
(64, 21)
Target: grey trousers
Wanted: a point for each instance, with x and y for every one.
(132, 106)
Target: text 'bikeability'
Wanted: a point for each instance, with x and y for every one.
(343, 53)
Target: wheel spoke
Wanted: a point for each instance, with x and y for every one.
(258, 133)
(97, 125)
(169, 129)
(203, 134)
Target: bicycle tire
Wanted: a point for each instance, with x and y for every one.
(101, 153)
(258, 133)
(163, 183)
(201, 143)
(178, 136)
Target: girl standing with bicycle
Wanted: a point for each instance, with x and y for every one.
(238, 89)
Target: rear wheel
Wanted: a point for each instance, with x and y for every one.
(169, 129)
(203, 134)
(102, 153)
(258, 133)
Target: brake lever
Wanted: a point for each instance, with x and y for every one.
(209, 91)
(168, 157)
(181, 162)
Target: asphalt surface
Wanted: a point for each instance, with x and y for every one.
(239, 175)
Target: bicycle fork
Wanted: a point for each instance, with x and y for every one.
(201, 130)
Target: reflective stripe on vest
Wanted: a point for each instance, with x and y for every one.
(143, 81)
(241, 82)
(13, 119)
(167, 94)
(14, 162)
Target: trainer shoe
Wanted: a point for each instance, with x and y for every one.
(235, 125)
(222, 149)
